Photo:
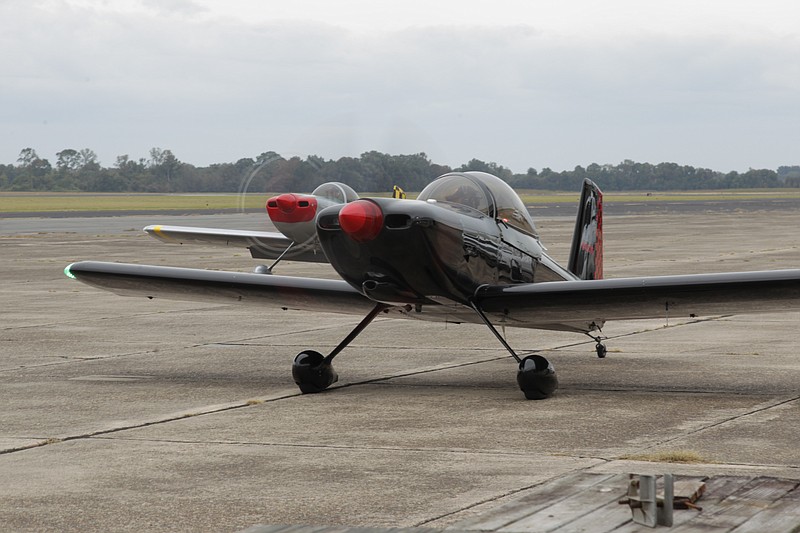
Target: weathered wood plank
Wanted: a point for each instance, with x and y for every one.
(533, 500)
(286, 529)
(606, 518)
(717, 489)
(335, 529)
(264, 529)
(581, 502)
(587, 502)
(731, 512)
(782, 515)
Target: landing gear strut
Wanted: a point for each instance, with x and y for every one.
(264, 269)
(600, 348)
(536, 376)
(314, 373)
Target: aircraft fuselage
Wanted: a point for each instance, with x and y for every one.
(425, 252)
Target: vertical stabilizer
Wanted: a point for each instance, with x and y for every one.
(586, 253)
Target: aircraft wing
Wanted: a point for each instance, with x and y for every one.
(596, 301)
(262, 244)
(266, 290)
(579, 306)
(283, 292)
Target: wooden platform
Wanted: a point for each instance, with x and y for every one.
(589, 502)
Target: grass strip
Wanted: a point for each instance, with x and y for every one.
(57, 202)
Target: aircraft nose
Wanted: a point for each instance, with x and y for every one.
(291, 208)
(286, 202)
(362, 220)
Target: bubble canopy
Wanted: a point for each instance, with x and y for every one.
(336, 192)
(482, 193)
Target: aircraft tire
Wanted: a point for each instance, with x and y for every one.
(312, 373)
(537, 378)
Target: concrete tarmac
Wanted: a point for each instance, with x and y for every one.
(128, 414)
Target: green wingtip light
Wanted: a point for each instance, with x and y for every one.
(68, 272)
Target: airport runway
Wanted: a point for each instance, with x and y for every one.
(127, 414)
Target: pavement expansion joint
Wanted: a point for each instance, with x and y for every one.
(418, 371)
(82, 321)
(68, 360)
(133, 425)
(246, 340)
(190, 413)
(766, 406)
(651, 390)
(348, 447)
(507, 494)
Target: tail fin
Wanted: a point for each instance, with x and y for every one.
(586, 253)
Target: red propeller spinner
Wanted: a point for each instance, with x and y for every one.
(291, 208)
(362, 220)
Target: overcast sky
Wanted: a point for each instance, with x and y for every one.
(528, 83)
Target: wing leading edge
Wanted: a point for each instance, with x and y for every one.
(597, 301)
(284, 292)
(560, 305)
(262, 244)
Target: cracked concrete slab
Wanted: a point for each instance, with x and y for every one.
(125, 414)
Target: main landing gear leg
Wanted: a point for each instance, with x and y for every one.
(314, 373)
(264, 269)
(536, 376)
(600, 347)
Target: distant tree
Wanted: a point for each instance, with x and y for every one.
(34, 174)
(376, 168)
(413, 171)
(760, 178)
(164, 166)
(348, 170)
(372, 171)
(6, 176)
(87, 160)
(268, 157)
(492, 168)
(282, 176)
(789, 173)
(438, 170)
(28, 157)
(316, 162)
(68, 160)
(156, 157)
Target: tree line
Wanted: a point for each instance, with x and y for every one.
(163, 172)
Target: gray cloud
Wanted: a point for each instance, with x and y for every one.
(216, 90)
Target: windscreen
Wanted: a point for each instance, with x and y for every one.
(336, 192)
(482, 192)
(457, 190)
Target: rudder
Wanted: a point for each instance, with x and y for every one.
(586, 252)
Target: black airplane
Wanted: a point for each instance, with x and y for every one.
(466, 250)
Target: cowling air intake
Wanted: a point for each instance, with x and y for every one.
(291, 208)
